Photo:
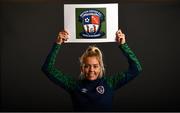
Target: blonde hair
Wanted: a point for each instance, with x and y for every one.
(92, 51)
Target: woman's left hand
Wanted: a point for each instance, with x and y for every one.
(120, 37)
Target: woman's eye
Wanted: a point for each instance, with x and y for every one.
(86, 66)
(95, 66)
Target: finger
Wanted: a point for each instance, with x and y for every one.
(119, 39)
(117, 32)
(66, 32)
(60, 35)
(121, 35)
(64, 40)
(120, 31)
(65, 37)
(63, 32)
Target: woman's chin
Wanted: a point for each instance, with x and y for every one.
(91, 78)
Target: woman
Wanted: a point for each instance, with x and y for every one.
(93, 91)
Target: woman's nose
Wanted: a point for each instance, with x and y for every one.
(91, 68)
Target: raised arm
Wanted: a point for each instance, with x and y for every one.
(54, 74)
(134, 68)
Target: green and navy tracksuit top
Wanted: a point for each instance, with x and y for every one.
(91, 95)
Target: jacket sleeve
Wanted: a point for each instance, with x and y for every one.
(64, 81)
(134, 69)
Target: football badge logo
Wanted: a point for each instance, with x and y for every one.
(100, 89)
(91, 22)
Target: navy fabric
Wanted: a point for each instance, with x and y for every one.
(92, 96)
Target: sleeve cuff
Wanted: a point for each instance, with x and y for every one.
(123, 45)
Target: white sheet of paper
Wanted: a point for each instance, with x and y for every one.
(111, 22)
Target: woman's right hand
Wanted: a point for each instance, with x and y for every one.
(120, 37)
(62, 37)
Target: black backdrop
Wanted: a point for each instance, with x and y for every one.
(28, 30)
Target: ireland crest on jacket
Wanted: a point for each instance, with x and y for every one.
(91, 23)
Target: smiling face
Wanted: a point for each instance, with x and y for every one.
(91, 68)
(91, 63)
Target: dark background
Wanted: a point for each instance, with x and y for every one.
(29, 28)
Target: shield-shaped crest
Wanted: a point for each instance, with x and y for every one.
(100, 89)
(91, 21)
(91, 24)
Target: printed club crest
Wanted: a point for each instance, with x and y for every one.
(91, 23)
(100, 89)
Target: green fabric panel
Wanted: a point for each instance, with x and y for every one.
(123, 77)
(63, 80)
